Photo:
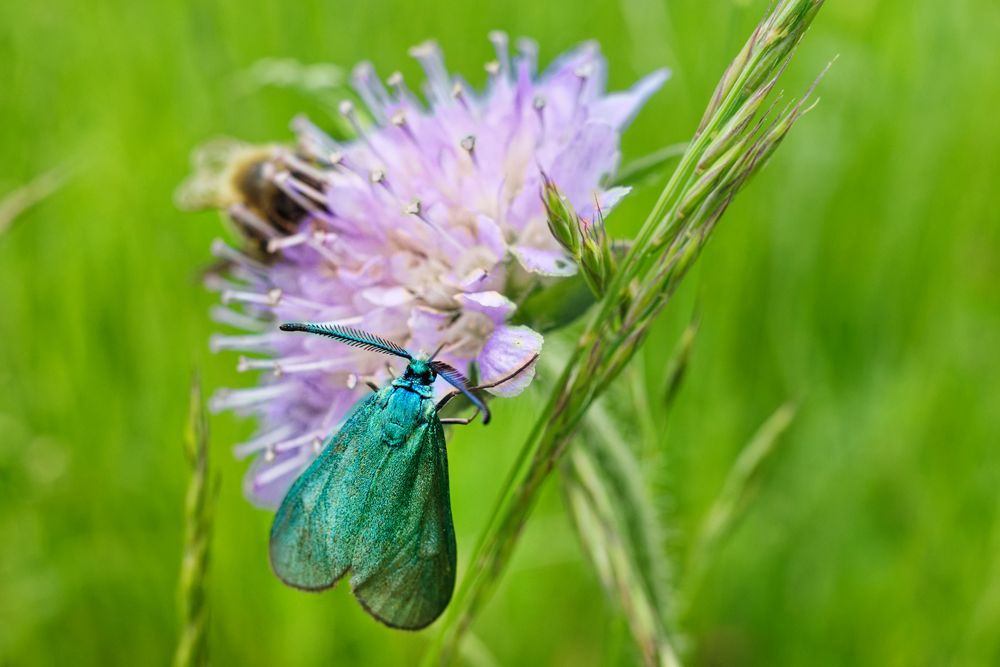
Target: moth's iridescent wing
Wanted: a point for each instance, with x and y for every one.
(404, 567)
(313, 534)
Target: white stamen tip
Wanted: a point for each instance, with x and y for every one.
(269, 455)
(413, 208)
(395, 79)
(346, 108)
(421, 50)
(274, 296)
(352, 381)
(468, 144)
(492, 68)
(376, 176)
(317, 445)
(398, 119)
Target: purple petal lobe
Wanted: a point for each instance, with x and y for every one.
(579, 168)
(606, 200)
(505, 351)
(387, 296)
(618, 109)
(544, 262)
(494, 305)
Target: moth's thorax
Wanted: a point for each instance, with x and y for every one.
(418, 378)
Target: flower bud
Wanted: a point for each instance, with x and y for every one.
(562, 219)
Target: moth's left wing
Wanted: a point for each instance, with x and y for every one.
(403, 571)
(314, 530)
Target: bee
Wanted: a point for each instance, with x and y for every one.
(239, 179)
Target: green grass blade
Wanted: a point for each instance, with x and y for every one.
(673, 378)
(199, 512)
(666, 247)
(616, 521)
(21, 199)
(648, 165)
(737, 490)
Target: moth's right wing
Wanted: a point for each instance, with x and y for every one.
(405, 559)
(315, 528)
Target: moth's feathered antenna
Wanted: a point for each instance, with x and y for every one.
(453, 377)
(355, 337)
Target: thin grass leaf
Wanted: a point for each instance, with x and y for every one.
(15, 203)
(665, 248)
(641, 408)
(476, 653)
(678, 364)
(738, 489)
(648, 165)
(617, 524)
(980, 640)
(324, 83)
(199, 514)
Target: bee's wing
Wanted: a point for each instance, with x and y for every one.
(315, 529)
(403, 571)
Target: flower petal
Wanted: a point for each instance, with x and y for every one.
(579, 168)
(426, 325)
(489, 234)
(618, 109)
(387, 296)
(606, 200)
(544, 262)
(505, 351)
(493, 305)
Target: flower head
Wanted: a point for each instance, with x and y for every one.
(421, 229)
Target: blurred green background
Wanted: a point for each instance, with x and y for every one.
(858, 276)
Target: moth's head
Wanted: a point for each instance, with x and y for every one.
(420, 371)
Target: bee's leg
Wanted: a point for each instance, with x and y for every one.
(461, 420)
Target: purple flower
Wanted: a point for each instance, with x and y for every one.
(420, 230)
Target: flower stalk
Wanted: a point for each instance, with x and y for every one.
(733, 141)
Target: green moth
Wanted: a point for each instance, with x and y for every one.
(375, 502)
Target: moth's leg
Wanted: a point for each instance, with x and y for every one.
(392, 373)
(461, 420)
(509, 376)
(445, 399)
(352, 382)
(452, 394)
